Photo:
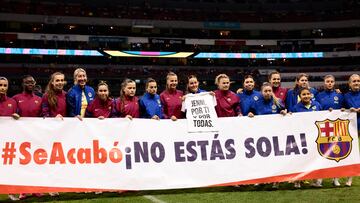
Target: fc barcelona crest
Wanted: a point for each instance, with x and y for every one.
(334, 141)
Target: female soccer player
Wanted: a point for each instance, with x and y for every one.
(127, 105)
(150, 104)
(8, 105)
(227, 101)
(329, 98)
(171, 98)
(248, 96)
(28, 104)
(306, 103)
(352, 102)
(102, 106)
(54, 100)
(80, 95)
(292, 97)
(267, 103)
(275, 81)
(192, 85)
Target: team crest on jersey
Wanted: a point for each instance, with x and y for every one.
(273, 107)
(89, 94)
(9, 105)
(36, 102)
(228, 99)
(256, 98)
(334, 141)
(336, 98)
(158, 101)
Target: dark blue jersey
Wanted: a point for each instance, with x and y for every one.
(314, 106)
(352, 99)
(330, 99)
(263, 107)
(247, 98)
(150, 105)
(292, 98)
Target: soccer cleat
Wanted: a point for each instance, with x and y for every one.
(297, 184)
(317, 183)
(336, 182)
(53, 194)
(22, 196)
(13, 198)
(349, 182)
(38, 194)
(275, 186)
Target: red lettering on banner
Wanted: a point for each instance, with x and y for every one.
(40, 156)
(70, 156)
(25, 153)
(84, 156)
(100, 155)
(57, 154)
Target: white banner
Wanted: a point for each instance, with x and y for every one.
(200, 112)
(43, 155)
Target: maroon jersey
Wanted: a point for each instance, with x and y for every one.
(130, 106)
(29, 105)
(171, 102)
(99, 108)
(8, 106)
(228, 103)
(47, 111)
(280, 93)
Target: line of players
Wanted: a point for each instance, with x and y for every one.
(82, 101)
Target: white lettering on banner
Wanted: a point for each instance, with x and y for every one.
(43, 155)
(200, 112)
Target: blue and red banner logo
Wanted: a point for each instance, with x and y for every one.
(334, 141)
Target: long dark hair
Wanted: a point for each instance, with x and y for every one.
(50, 90)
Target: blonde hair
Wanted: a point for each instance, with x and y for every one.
(168, 76)
(76, 72)
(329, 76)
(352, 76)
(219, 77)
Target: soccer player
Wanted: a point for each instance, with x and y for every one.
(329, 98)
(248, 95)
(150, 104)
(306, 104)
(352, 102)
(171, 98)
(227, 101)
(8, 106)
(292, 96)
(28, 104)
(127, 105)
(267, 103)
(80, 95)
(54, 99)
(192, 86)
(275, 81)
(103, 106)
